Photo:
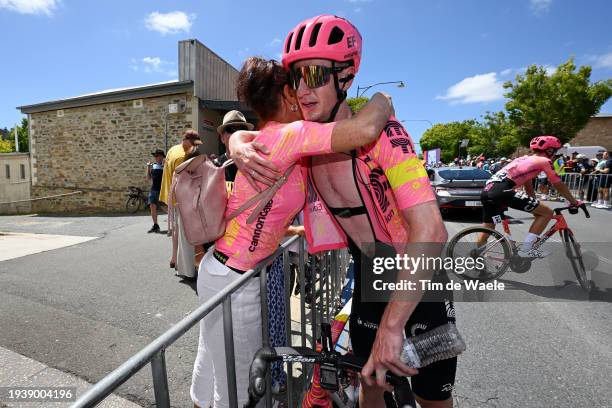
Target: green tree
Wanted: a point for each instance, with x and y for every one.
(559, 104)
(23, 135)
(357, 103)
(494, 136)
(447, 137)
(6, 146)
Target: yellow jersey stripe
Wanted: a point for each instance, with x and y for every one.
(405, 171)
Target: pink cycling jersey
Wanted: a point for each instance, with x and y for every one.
(525, 168)
(247, 244)
(389, 177)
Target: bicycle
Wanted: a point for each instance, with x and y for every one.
(335, 369)
(503, 249)
(136, 199)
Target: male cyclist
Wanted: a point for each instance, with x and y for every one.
(502, 190)
(379, 193)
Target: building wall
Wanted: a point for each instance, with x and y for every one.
(101, 150)
(14, 182)
(213, 78)
(597, 132)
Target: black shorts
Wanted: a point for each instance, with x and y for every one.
(496, 196)
(434, 382)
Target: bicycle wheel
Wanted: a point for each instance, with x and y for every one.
(494, 256)
(574, 254)
(133, 204)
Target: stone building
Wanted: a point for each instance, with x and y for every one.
(597, 132)
(99, 143)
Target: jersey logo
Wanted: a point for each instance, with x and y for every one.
(380, 185)
(398, 136)
(350, 41)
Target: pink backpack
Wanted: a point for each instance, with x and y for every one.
(201, 198)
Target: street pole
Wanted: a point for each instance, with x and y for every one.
(364, 89)
(16, 140)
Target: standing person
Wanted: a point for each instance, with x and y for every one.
(155, 173)
(605, 181)
(377, 193)
(181, 249)
(263, 85)
(232, 121)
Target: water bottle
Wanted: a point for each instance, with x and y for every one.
(441, 343)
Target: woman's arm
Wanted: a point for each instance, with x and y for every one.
(365, 126)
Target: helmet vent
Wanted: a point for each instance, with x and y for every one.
(298, 40)
(335, 36)
(288, 45)
(314, 35)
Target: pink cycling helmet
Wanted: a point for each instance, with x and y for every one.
(544, 142)
(325, 37)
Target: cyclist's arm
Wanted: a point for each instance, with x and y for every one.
(564, 191)
(148, 171)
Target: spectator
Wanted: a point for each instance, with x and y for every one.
(584, 168)
(605, 181)
(183, 254)
(155, 173)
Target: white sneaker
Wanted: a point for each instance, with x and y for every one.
(606, 206)
(595, 205)
(533, 253)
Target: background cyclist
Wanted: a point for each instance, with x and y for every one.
(503, 189)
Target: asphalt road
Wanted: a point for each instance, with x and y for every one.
(86, 308)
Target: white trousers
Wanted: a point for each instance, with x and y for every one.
(209, 382)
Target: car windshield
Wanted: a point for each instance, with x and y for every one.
(464, 174)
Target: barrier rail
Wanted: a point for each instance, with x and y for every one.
(329, 269)
(589, 188)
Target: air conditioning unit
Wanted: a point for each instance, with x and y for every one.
(137, 103)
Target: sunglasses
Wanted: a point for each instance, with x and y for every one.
(315, 76)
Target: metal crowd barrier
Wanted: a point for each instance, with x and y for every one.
(328, 273)
(586, 187)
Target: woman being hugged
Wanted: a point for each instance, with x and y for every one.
(263, 85)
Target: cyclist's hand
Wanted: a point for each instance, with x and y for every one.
(245, 153)
(385, 356)
(576, 203)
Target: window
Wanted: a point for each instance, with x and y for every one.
(464, 174)
(22, 169)
(7, 168)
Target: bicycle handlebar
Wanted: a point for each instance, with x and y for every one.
(574, 210)
(266, 355)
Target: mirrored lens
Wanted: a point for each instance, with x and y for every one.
(314, 76)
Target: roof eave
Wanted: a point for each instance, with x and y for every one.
(112, 96)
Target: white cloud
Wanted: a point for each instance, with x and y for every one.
(169, 23)
(478, 88)
(150, 65)
(30, 6)
(602, 61)
(275, 42)
(540, 6)
(506, 72)
(550, 69)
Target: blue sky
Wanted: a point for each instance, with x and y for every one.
(453, 55)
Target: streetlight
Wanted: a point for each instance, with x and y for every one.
(363, 89)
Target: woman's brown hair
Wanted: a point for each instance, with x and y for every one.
(260, 85)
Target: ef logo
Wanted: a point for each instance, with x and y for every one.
(350, 41)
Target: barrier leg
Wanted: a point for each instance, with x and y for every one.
(160, 380)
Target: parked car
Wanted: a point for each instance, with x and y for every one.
(458, 187)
